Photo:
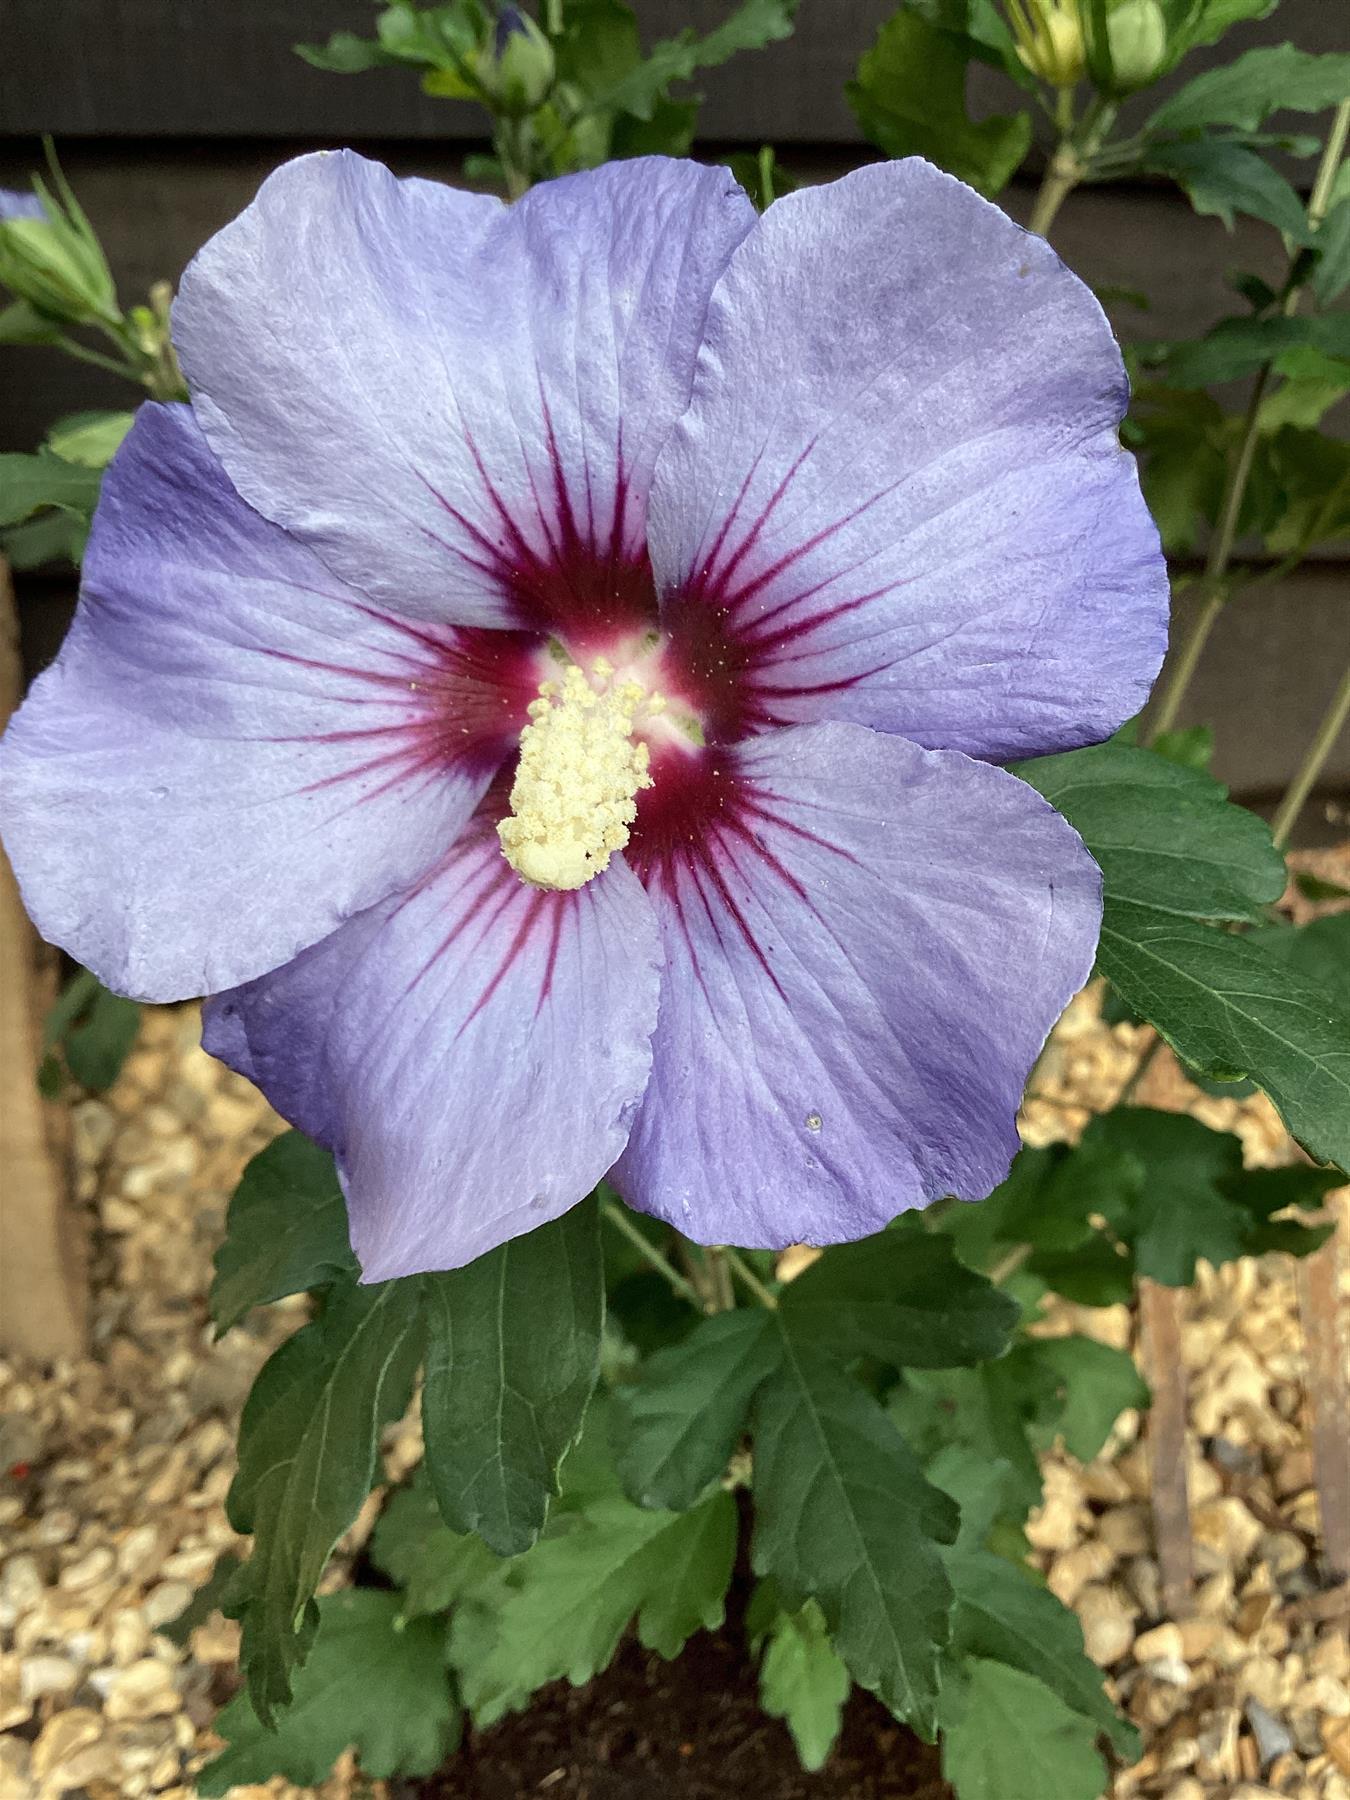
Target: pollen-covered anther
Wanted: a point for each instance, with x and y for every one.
(579, 774)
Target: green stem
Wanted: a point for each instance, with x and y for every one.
(1130, 1086)
(1333, 723)
(98, 360)
(744, 1273)
(1235, 491)
(1071, 164)
(721, 1294)
(619, 1219)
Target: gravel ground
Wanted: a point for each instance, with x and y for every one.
(113, 1471)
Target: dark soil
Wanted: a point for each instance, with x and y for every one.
(691, 1729)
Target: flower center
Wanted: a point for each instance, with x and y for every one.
(580, 771)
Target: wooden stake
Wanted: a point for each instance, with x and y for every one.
(1320, 1308)
(43, 1299)
(1160, 1325)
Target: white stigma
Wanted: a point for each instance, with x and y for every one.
(580, 771)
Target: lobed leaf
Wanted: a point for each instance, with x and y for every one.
(513, 1354)
(802, 1680)
(307, 1457)
(285, 1231)
(375, 1680)
(1013, 1739)
(909, 98)
(676, 1427)
(844, 1516)
(432, 1566)
(900, 1296)
(560, 1609)
(1245, 92)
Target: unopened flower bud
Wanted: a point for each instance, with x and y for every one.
(519, 68)
(1049, 39)
(1137, 34)
(50, 258)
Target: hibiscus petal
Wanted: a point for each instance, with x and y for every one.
(473, 1052)
(867, 944)
(459, 405)
(233, 751)
(898, 496)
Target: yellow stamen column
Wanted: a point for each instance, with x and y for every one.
(579, 774)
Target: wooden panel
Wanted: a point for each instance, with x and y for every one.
(155, 204)
(1265, 680)
(189, 68)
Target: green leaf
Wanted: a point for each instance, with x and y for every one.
(1003, 1612)
(1312, 472)
(909, 98)
(750, 26)
(1013, 1739)
(307, 1458)
(1183, 439)
(668, 132)
(801, 1679)
(90, 438)
(844, 1516)
(900, 1296)
(1313, 383)
(1191, 23)
(1165, 836)
(93, 1029)
(1332, 275)
(285, 1232)
(211, 1597)
(1098, 1384)
(433, 1566)
(1171, 859)
(1239, 347)
(676, 1427)
(1229, 1009)
(1244, 93)
(513, 1354)
(344, 54)
(22, 323)
(374, 1680)
(1192, 747)
(560, 1609)
(1181, 1210)
(28, 483)
(1319, 950)
(51, 537)
(1222, 177)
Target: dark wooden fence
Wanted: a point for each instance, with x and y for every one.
(169, 112)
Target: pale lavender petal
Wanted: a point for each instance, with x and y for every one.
(459, 406)
(233, 751)
(473, 1053)
(866, 947)
(898, 496)
(17, 205)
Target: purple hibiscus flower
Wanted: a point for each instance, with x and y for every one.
(554, 674)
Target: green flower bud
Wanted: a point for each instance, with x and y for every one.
(518, 68)
(1049, 39)
(50, 257)
(1137, 34)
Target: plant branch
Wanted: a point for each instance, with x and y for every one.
(619, 1219)
(742, 1270)
(1071, 163)
(1333, 723)
(1235, 490)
